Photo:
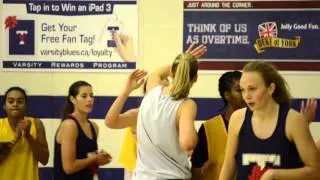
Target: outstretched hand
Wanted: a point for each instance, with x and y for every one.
(308, 110)
(198, 51)
(135, 79)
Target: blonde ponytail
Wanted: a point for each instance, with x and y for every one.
(184, 68)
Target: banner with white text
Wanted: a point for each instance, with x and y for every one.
(286, 33)
(62, 35)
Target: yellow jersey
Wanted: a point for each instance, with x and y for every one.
(20, 163)
(216, 134)
(128, 153)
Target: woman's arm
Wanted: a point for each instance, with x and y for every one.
(308, 112)
(228, 171)
(158, 75)
(114, 119)
(39, 146)
(188, 137)
(298, 132)
(308, 109)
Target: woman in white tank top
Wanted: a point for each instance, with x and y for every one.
(165, 119)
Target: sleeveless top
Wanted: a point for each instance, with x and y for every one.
(128, 153)
(216, 134)
(84, 145)
(255, 155)
(12, 167)
(159, 153)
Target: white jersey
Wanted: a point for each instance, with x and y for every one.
(160, 156)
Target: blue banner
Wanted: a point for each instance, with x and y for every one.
(255, 34)
(244, 31)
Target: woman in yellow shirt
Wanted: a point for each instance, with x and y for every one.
(207, 158)
(128, 153)
(22, 138)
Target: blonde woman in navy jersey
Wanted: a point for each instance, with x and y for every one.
(268, 140)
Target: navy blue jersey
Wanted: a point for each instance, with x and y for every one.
(255, 155)
(84, 145)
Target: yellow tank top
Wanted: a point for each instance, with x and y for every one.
(20, 163)
(216, 141)
(128, 153)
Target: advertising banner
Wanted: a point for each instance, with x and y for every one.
(69, 35)
(286, 33)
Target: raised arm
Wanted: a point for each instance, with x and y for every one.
(197, 51)
(298, 131)
(114, 119)
(308, 112)
(308, 109)
(158, 75)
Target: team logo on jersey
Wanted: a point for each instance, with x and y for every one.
(260, 162)
(257, 172)
(268, 38)
(21, 36)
